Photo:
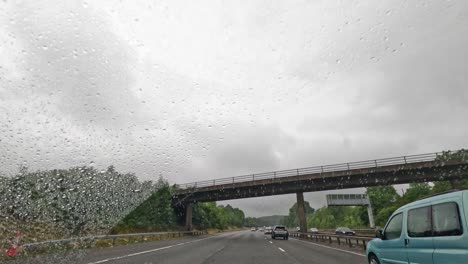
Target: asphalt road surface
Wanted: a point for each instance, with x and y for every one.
(243, 247)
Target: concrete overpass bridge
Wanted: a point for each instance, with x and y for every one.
(441, 166)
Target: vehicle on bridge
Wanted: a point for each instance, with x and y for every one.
(280, 231)
(432, 230)
(346, 231)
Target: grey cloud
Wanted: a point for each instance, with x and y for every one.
(261, 88)
(243, 150)
(76, 62)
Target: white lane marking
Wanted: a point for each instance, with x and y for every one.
(149, 251)
(342, 250)
(270, 242)
(281, 249)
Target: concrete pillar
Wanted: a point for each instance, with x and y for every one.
(188, 217)
(301, 212)
(371, 216)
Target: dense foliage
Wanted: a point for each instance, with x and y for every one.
(264, 220)
(83, 200)
(154, 214)
(209, 215)
(291, 219)
(78, 201)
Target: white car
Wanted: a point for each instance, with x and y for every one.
(313, 230)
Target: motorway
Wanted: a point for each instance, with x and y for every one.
(235, 247)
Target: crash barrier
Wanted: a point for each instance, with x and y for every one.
(357, 241)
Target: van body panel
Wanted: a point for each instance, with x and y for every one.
(452, 249)
(465, 207)
(446, 248)
(390, 251)
(418, 249)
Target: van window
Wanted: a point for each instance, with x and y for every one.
(446, 219)
(419, 222)
(394, 227)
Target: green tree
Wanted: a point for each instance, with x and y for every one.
(291, 219)
(154, 214)
(414, 192)
(382, 197)
(334, 216)
(209, 215)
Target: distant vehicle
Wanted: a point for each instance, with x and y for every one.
(253, 229)
(279, 231)
(313, 230)
(262, 229)
(344, 231)
(432, 230)
(268, 230)
(298, 228)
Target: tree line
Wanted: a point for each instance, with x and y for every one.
(83, 201)
(157, 214)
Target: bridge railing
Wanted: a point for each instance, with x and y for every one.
(367, 164)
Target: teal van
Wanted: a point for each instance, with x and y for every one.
(429, 231)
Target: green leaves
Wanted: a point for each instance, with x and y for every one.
(208, 215)
(332, 217)
(154, 214)
(291, 220)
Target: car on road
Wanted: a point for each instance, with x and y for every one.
(346, 231)
(268, 230)
(280, 231)
(433, 230)
(253, 229)
(313, 230)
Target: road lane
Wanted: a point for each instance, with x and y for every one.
(228, 248)
(306, 252)
(238, 247)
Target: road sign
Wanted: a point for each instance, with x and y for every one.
(352, 200)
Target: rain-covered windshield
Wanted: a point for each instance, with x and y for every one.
(183, 131)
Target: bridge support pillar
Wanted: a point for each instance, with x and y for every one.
(301, 212)
(371, 216)
(188, 217)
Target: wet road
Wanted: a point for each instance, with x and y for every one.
(236, 247)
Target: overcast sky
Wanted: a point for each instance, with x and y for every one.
(196, 90)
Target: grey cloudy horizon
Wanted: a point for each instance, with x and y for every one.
(202, 90)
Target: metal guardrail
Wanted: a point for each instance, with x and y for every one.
(359, 232)
(35, 245)
(339, 239)
(368, 164)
